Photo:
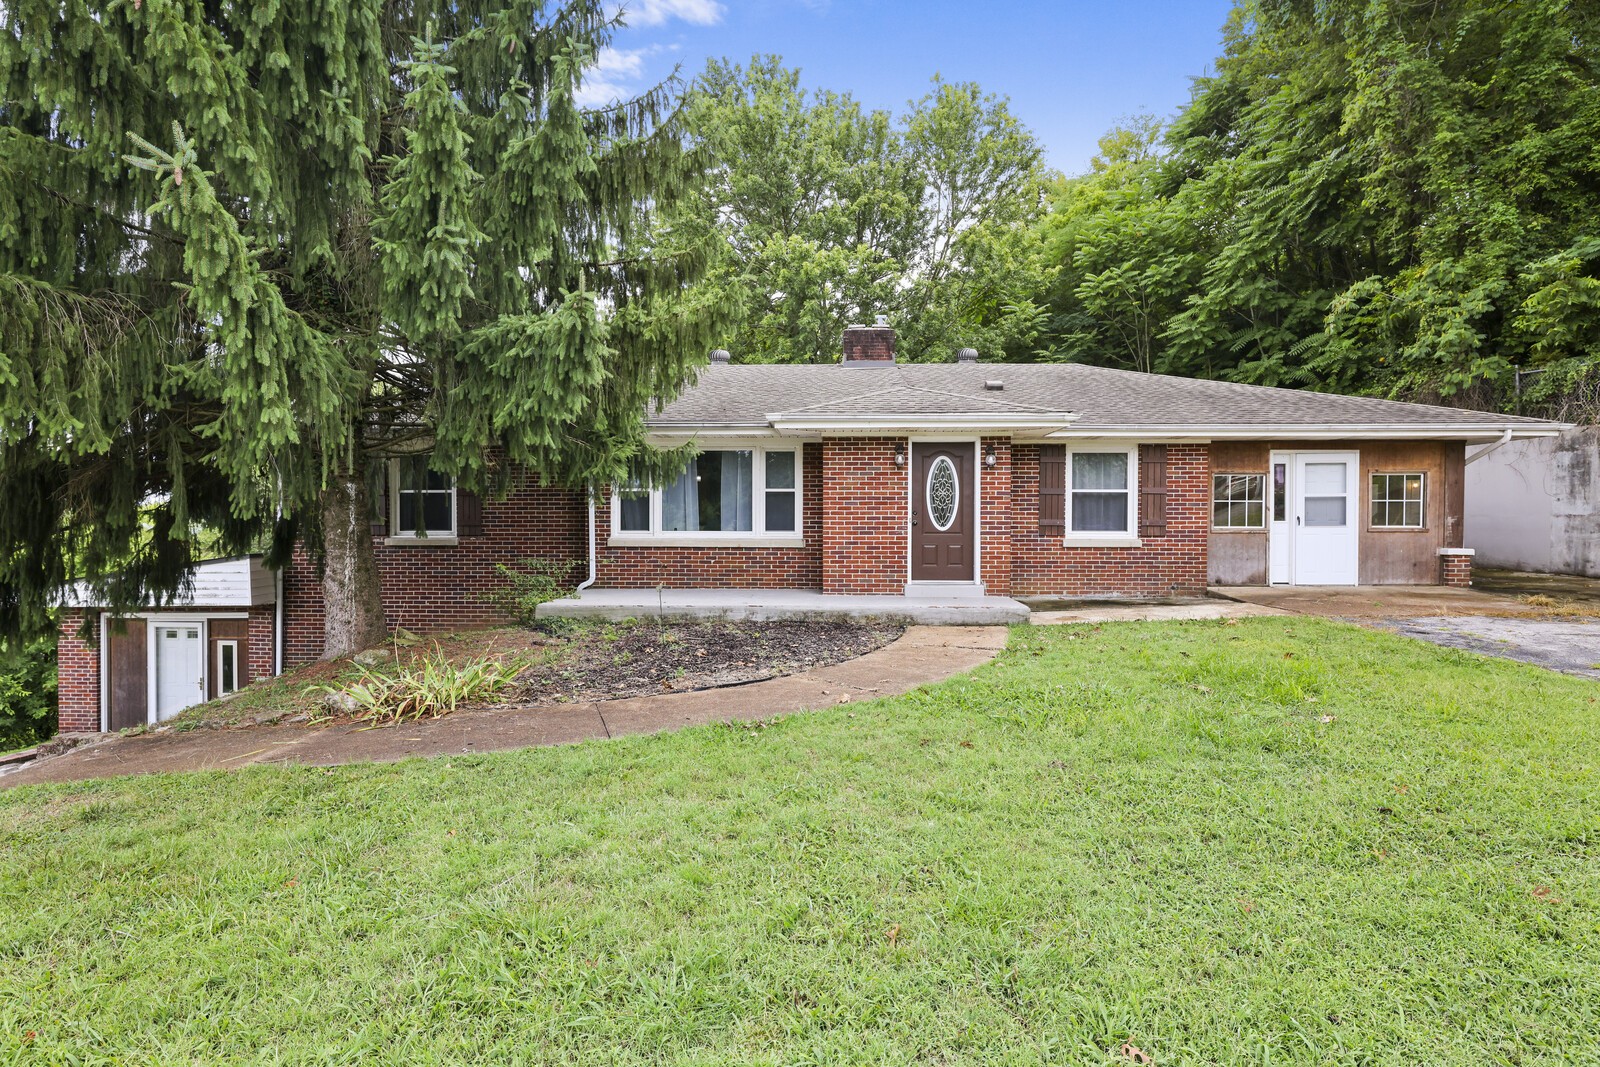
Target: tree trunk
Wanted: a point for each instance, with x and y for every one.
(351, 591)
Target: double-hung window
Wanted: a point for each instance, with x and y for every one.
(423, 501)
(723, 493)
(1100, 498)
(1238, 501)
(1397, 501)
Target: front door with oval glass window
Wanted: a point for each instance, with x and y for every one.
(943, 530)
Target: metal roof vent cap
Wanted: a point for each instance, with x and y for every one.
(966, 355)
(721, 355)
(994, 385)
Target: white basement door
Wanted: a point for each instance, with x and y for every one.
(178, 660)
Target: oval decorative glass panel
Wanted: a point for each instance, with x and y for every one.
(942, 493)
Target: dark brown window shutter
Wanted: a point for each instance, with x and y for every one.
(1152, 490)
(469, 514)
(1052, 490)
(378, 494)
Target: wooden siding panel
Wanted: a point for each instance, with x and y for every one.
(127, 668)
(1239, 557)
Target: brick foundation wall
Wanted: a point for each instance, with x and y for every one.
(77, 676)
(714, 567)
(1174, 564)
(438, 588)
(1455, 569)
(863, 515)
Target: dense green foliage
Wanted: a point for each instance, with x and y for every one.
(1367, 195)
(241, 246)
(1246, 845)
(27, 691)
(835, 214)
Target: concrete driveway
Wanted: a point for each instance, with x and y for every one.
(1491, 622)
(1569, 645)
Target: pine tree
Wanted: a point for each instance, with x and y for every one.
(245, 247)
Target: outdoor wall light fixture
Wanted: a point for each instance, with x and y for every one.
(899, 455)
(988, 456)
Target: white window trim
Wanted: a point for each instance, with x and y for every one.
(756, 537)
(1423, 501)
(1266, 501)
(229, 643)
(1128, 538)
(396, 536)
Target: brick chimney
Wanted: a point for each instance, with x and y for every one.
(869, 346)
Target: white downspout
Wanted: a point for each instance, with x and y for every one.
(1505, 438)
(277, 623)
(587, 582)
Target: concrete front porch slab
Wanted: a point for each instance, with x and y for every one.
(767, 605)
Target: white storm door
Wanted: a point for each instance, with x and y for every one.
(1326, 502)
(178, 661)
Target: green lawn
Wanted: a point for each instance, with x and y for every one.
(1138, 833)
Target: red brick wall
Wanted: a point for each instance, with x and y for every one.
(996, 515)
(437, 588)
(1455, 570)
(261, 626)
(863, 516)
(1176, 563)
(713, 567)
(77, 676)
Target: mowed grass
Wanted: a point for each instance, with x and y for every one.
(1138, 833)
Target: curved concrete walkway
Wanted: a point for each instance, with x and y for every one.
(921, 655)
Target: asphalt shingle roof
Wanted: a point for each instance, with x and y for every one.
(1102, 399)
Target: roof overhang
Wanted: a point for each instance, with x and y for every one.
(1306, 432)
(236, 582)
(976, 422)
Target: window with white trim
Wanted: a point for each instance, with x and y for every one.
(423, 503)
(1100, 500)
(1238, 501)
(723, 493)
(1397, 501)
(227, 667)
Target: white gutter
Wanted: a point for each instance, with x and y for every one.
(1480, 453)
(587, 582)
(1312, 432)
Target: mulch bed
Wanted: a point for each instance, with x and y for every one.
(641, 658)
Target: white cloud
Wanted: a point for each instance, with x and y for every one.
(614, 76)
(656, 12)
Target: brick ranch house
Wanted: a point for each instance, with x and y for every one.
(871, 477)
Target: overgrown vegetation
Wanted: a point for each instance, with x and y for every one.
(426, 686)
(27, 691)
(532, 581)
(1282, 842)
(1366, 196)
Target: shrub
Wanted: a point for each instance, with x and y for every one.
(530, 582)
(427, 687)
(27, 691)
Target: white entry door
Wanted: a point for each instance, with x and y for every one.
(1326, 502)
(179, 683)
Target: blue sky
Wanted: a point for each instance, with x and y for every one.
(1071, 68)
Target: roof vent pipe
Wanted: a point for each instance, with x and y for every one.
(721, 355)
(966, 355)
